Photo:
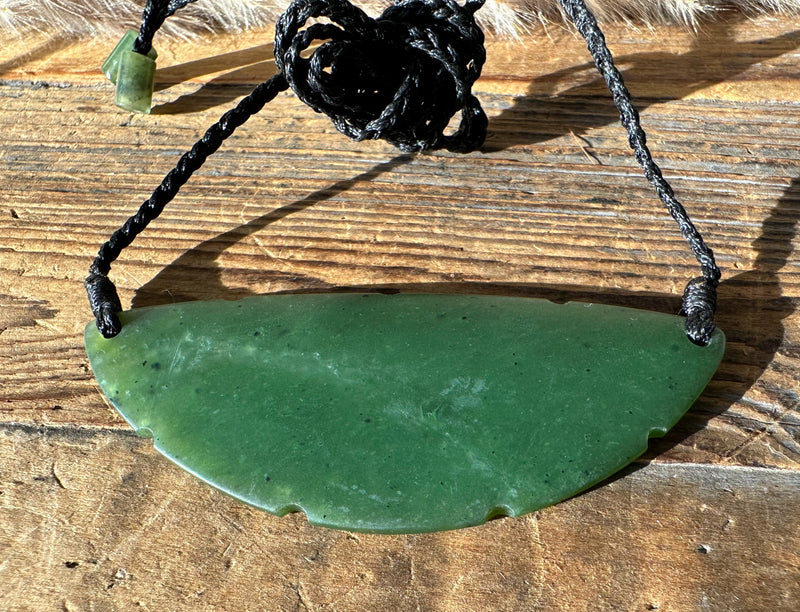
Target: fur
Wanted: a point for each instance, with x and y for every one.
(89, 18)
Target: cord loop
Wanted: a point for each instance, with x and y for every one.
(401, 77)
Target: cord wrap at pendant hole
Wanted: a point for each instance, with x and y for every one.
(699, 306)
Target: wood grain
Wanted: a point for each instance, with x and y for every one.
(135, 532)
(552, 206)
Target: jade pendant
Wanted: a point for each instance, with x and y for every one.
(402, 413)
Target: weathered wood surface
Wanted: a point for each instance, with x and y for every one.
(553, 206)
(96, 520)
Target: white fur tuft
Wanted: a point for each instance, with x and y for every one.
(87, 18)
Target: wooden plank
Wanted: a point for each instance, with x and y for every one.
(731, 58)
(552, 206)
(96, 520)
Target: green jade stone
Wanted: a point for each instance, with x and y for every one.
(132, 73)
(403, 413)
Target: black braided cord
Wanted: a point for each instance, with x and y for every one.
(401, 77)
(700, 295)
(103, 297)
(154, 15)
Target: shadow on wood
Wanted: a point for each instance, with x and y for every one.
(173, 284)
(245, 67)
(45, 49)
(751, 311)
(715, 58)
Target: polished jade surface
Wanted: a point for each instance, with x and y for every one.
(132, 73)
(400, 413)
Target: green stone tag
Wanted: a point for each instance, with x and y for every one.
(132, 73)
(404, 413)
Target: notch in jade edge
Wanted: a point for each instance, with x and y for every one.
(132, 73)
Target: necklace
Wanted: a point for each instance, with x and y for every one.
(396, 413)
